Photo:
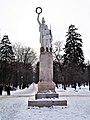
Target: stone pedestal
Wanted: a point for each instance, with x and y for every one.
(46, 83)
(44, 87)
(47, 103)
(46, 95)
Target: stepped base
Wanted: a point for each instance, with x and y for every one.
(46, 95)
(47, 103)
(47, 100)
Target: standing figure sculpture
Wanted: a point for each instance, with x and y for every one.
(45, 33)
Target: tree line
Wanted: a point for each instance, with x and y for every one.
(18, 65)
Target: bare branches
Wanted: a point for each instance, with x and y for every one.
(24, 54)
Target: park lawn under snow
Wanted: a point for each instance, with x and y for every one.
(15, 107)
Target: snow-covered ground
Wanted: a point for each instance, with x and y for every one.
(15, 107)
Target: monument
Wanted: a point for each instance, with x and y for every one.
(46, 83)
(46, 86)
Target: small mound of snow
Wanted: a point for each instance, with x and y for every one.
(27, 91)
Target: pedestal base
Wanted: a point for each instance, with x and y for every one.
(46, 95)
(44, 87)
(47, 103)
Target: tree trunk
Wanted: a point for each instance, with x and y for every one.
(89, 85)
(64, 86)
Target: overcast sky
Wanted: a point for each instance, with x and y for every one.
(19, 21)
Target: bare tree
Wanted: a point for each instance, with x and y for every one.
(58, 63)
(18, 51)
(24, 54)
(57, 48)
(25, 60)
(29, 56)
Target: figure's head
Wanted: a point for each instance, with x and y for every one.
(43, 21)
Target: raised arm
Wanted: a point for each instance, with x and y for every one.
(38, 19)
(38, 11)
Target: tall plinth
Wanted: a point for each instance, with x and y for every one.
(46, 83)
(46, 86)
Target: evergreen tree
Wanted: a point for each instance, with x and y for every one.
(6, 58)
(73, 57)
(73, 48)
(6, 52)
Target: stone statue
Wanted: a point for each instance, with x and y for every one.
(45, 33)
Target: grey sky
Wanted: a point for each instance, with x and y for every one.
(19, 20)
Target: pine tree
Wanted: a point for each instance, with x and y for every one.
(6, 52)
(73, 57)
(73, 48)
(6, 58)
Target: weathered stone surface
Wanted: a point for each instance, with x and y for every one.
(46, 67)
(47, 103)
(46, 86)
(46, 73)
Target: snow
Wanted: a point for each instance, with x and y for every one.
(15, 107)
